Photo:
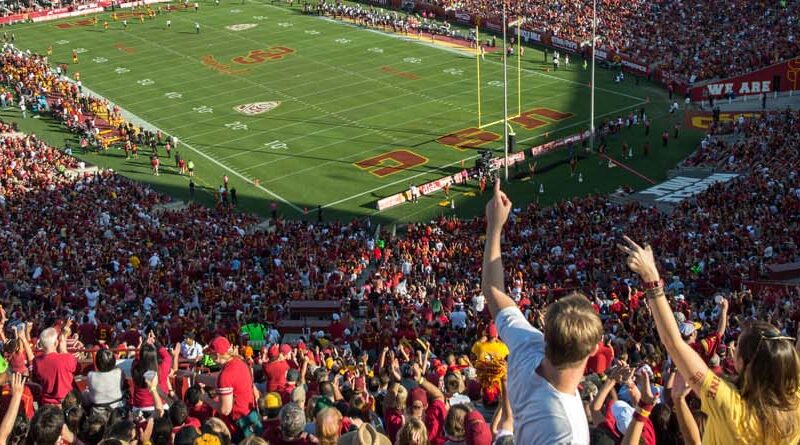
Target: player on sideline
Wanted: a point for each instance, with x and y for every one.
(74, 57)
(105, 25)
(566, 62)
(197, 27)
(196, 7)
(169, 24)
(125, 24)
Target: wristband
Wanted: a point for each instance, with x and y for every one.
(648, 285)
(657, 292)
(645, 406)
(640, 417)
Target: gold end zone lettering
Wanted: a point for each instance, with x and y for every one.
(392, 162)
(468, 138)
(529, 122)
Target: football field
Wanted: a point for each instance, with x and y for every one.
(307, 111)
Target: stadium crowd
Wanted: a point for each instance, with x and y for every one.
(122, 322)
(692, 40)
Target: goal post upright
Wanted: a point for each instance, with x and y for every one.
(478, 64)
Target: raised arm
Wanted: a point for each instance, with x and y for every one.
(723, 319)
(17, 389)
(688, 426)
(633, 434)
(688, 362)
(492, 283)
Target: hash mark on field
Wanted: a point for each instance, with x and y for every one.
(285, 25)
(80, 50)
(313, 32)
(99, 60)
(342, 41)
(62, 42)
(454, 71)
(260, 17)
(495, 83)
(203, 109)
(173, 95)
(145, 82)
(235, 11)
(376, 50)
(236, 126)
(121, 70)
(414, 60)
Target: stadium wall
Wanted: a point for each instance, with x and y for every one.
(772, 79)
(71, 11)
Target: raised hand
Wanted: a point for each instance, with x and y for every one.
(640, 259)
(643, 380)
(498, 208)
(17, 384)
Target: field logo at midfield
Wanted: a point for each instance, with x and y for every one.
(256, 107)
(241, 27)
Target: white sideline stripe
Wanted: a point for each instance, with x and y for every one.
(457, 162)
(132, 117)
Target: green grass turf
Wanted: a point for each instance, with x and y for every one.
(339, 105)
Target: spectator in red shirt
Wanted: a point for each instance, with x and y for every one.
(236, 400)
(434, 413)
(601, 360)
(55, 369)
(275, 369)
(336, 328)
(197, 408)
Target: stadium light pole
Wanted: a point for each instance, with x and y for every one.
(594, 42)
(505, 92)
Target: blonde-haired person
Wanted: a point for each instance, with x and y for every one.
(236, 404)
(544, 369)
(394, 407)
(763, 405)
(413, 432)
(329, 426)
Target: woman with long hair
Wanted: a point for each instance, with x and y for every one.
(763, 405)
(144, 371)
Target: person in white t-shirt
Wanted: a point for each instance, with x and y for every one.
(544, 369)
(478, 303)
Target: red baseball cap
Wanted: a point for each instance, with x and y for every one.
(285, 349)
(273, 351)
(492, 331)
(219, 345)
(418, 395)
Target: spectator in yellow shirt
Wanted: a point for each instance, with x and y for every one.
(763, 405)
(491, 346)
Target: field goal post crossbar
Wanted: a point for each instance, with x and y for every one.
(478, 57)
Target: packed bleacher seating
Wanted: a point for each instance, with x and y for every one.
(693, 40)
